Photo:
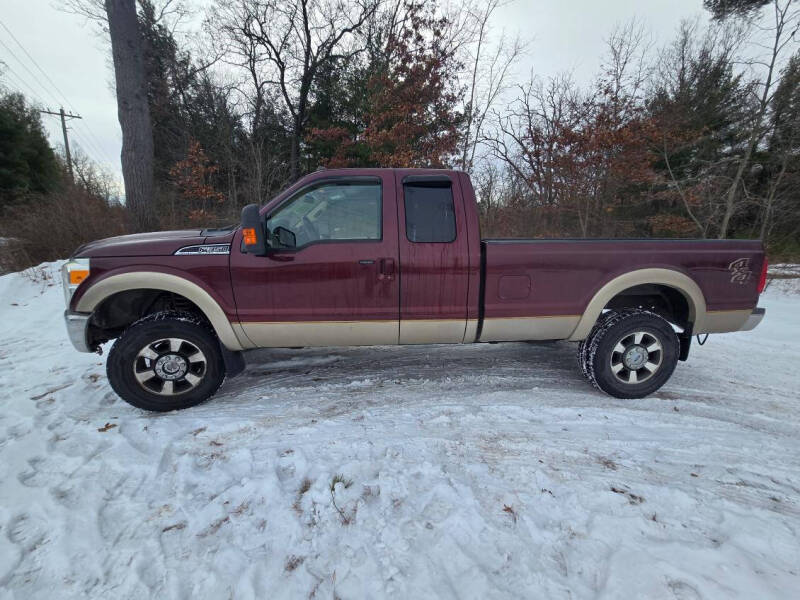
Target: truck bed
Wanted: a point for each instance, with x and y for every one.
(539, 289)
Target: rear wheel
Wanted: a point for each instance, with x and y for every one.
(166, 362)
(630, 354)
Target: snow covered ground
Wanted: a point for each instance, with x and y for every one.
(490, 471)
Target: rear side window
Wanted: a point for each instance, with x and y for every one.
(430, 212)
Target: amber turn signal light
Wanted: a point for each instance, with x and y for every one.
(250, 237)
(76, 277)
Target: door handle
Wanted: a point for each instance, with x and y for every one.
(282, 257)
(386, 270)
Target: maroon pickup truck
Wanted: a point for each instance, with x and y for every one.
(393, 256)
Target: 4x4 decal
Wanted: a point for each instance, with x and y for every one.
(740, 271)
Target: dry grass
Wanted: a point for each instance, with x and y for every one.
(346, 519)
(607, 463)
(632, 498)
(305, 485)
(293, 562)
(54, 226)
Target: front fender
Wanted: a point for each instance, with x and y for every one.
(155, 280)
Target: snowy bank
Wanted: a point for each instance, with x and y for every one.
(487, 471)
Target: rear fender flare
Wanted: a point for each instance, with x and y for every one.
(668, 277)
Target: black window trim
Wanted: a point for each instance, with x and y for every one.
(412, 179)
(340, 180)
(420, 181)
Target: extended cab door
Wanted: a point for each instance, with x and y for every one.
(434, 258)
(339, 284)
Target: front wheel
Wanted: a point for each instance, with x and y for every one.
(631, 354)
(165, 362)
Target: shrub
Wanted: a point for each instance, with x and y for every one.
(52, 226)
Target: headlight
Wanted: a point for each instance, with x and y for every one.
(72, 275)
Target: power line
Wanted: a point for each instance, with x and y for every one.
(36, 64)
(33, 93)
(92, 142)
(83, 142)
(66, 101)
(18, 82)
(24, 66)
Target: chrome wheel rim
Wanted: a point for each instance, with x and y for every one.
(636, 357)
(169, 366)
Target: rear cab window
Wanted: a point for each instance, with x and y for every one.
(430, 212)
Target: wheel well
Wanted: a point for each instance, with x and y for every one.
(117, 312)
(663, 300)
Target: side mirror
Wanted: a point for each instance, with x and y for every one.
(285, 237)
(253, 231)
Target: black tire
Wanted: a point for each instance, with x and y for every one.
(584, 345)
(630, 354)
(149, 369)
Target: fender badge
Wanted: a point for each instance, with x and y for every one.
(740, 271)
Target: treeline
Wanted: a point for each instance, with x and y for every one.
(284, 88)
(44, 214)
(698, 138)
(695, 139)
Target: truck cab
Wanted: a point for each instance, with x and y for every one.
(362, 258)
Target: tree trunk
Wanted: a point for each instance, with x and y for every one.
(294, 164)
(133, 111)
(730, 197)
(781, 21)
(773, 192)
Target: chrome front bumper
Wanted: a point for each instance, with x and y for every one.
(77, 325)
(754, 319)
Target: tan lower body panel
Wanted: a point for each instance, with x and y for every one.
(432, 331)
(246, 343)
(472, 331)
(518, 329)
(322, 333)
(438, 331)
(722, 321)
(419, 331)
(356, 333)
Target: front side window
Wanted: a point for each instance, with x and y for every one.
(430, 213)
(331, 211)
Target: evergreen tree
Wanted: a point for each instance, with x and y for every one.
(28, 165)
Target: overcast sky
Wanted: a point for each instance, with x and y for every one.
(567, 35)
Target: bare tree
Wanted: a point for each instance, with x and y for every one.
(169, 11)
(785, 20)
(534, 138)
(284, 43)
(626, 68)
(579, 152)
(94, 178)
(257, 100)
(784, 139)
(490, 70)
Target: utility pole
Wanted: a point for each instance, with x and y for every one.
(64, 116)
